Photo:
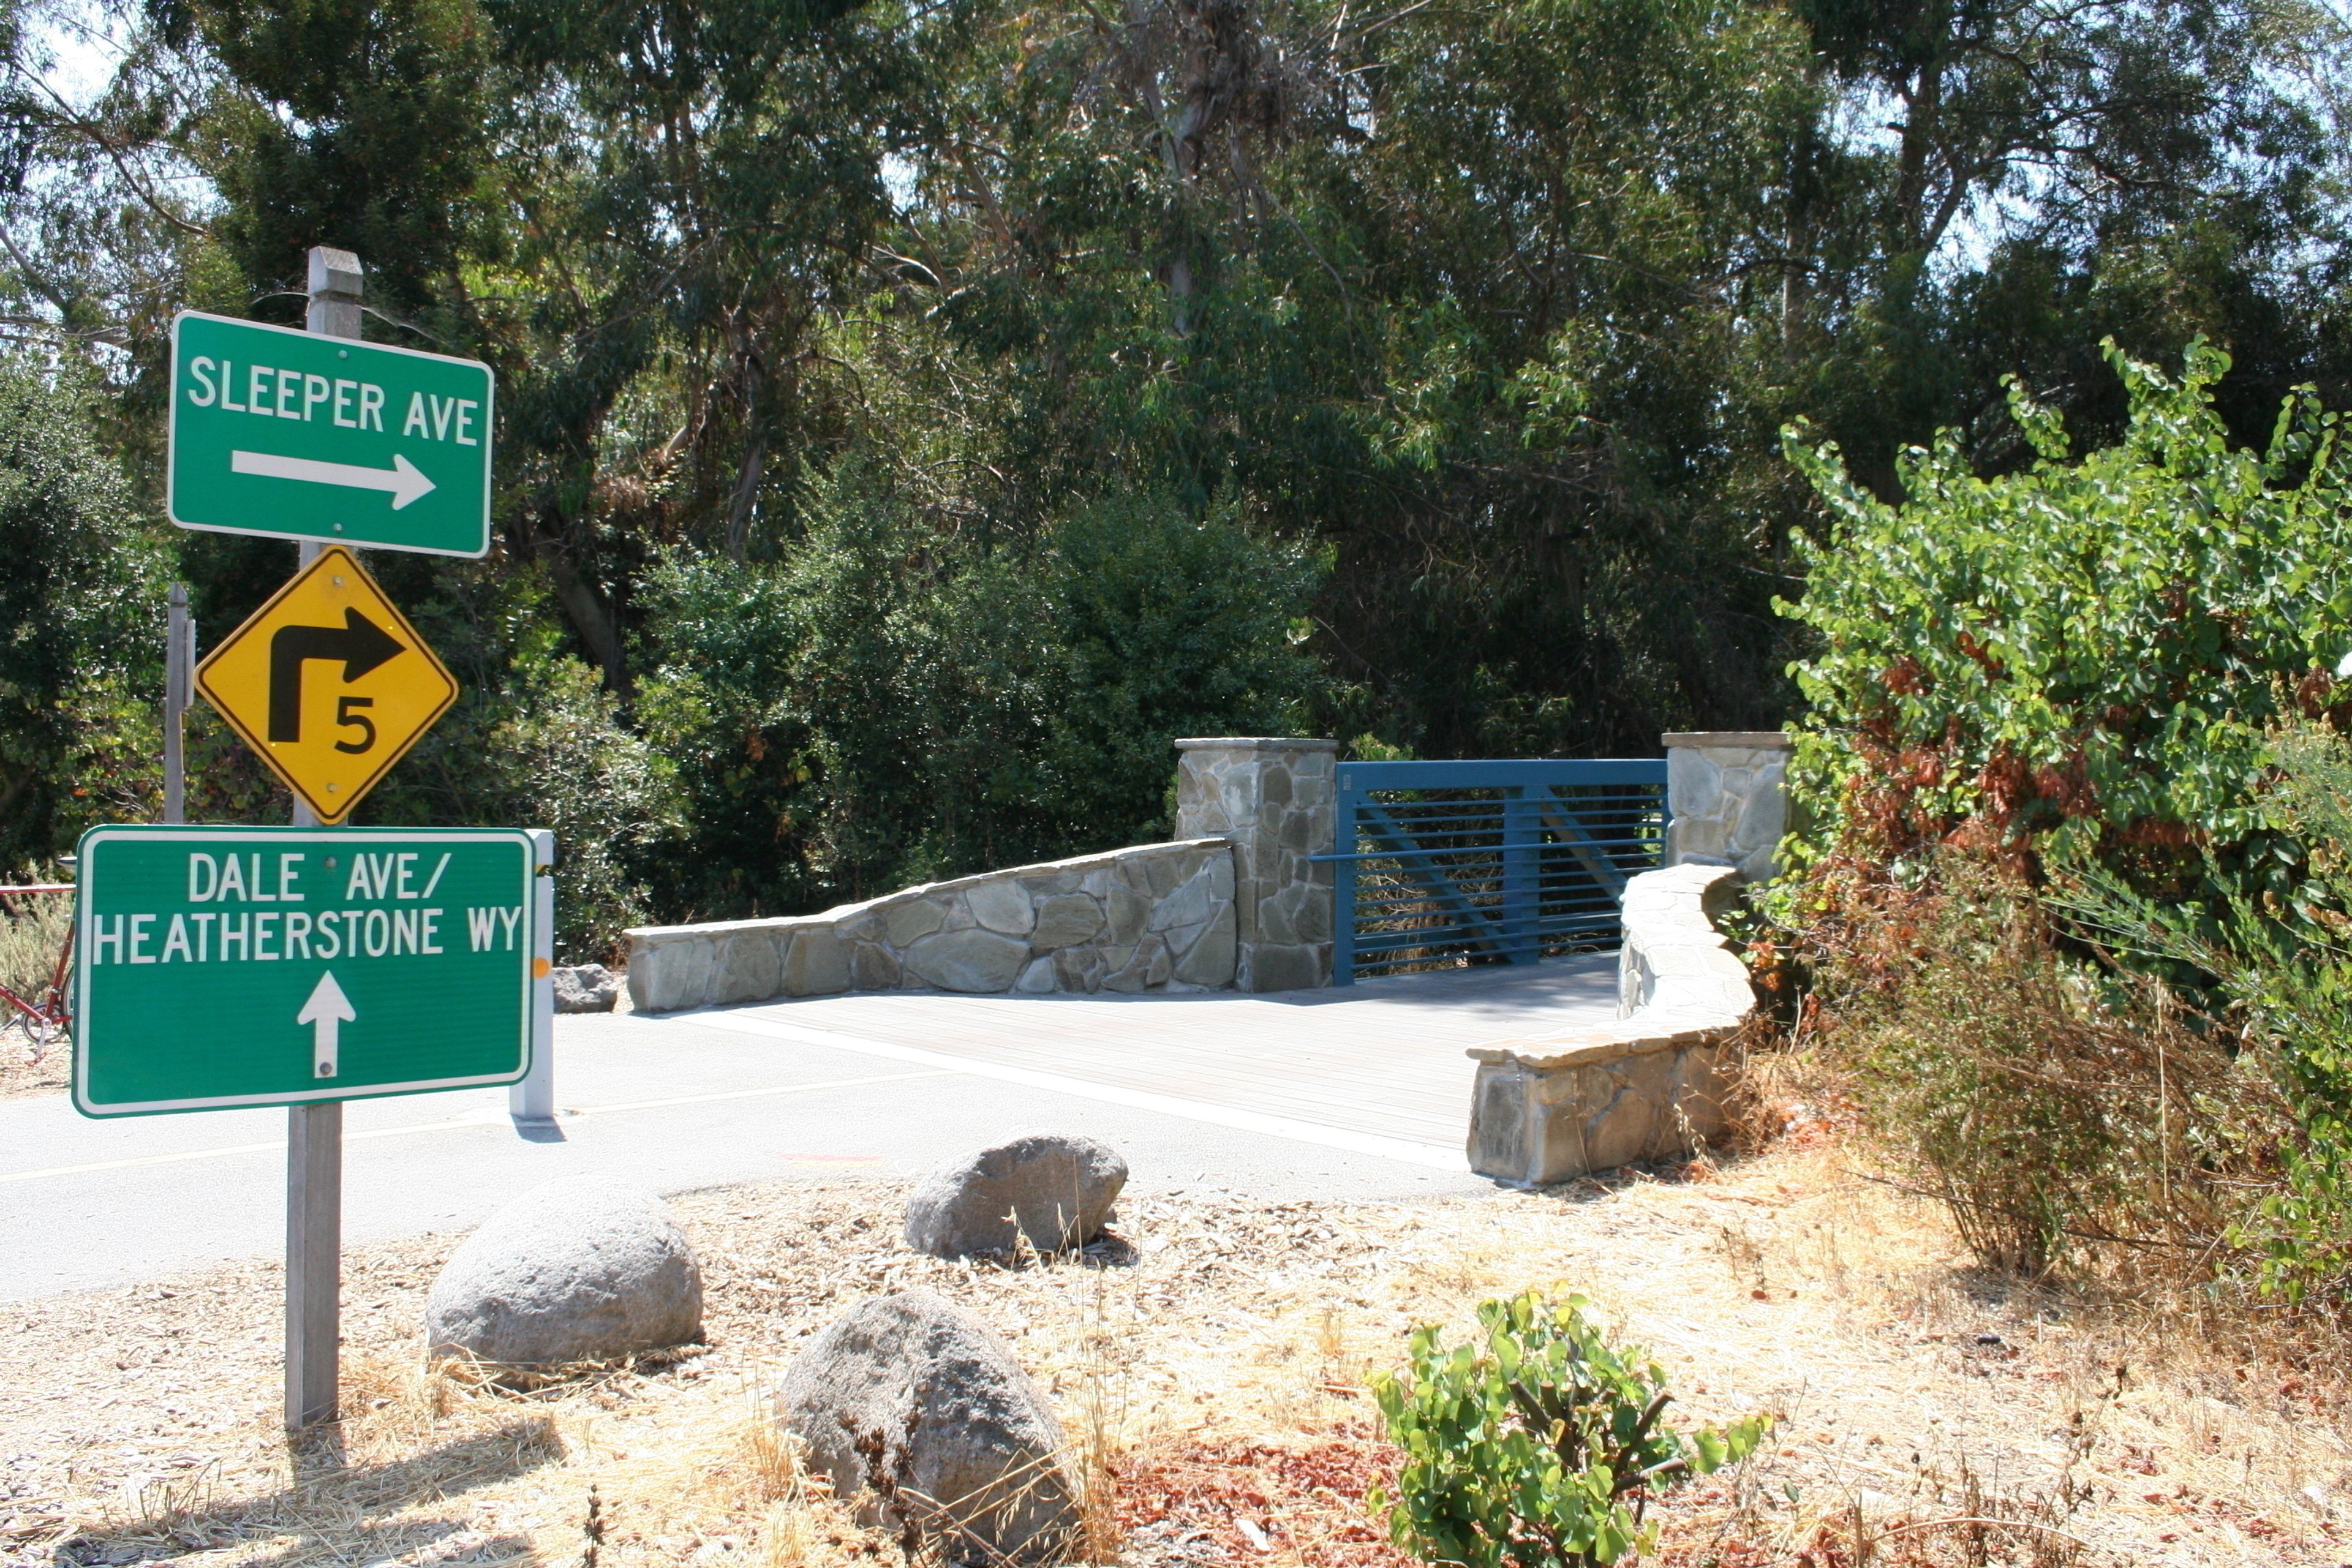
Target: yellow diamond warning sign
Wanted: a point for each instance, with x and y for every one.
(329, 682)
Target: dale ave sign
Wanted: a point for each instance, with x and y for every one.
(232, 966)
(295, 434)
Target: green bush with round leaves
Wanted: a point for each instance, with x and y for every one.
(1536, 1444)
(2090, 650)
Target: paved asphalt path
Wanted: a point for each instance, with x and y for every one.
(678, 1103)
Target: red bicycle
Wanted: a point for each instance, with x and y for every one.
(48, 1013)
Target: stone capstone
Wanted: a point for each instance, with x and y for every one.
(583, 1268)
(586, 988)
(916, 1410)
(1056, 1190)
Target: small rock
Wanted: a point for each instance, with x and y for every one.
(916, 1409)
(586, 988)
(583, 1268)
(1054, 1189)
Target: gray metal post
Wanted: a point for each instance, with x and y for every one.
(336, 285)
(179, 670)
(314, 1133)
(314, 1262)
(531, 1102)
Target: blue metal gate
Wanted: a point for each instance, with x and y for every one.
(1488, 862)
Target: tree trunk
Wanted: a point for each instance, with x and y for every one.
(590, 616)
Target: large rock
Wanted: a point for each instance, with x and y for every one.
(578, 1269)
(586, 988)
(972, 959)
(956, 1442)
(1053, 1189)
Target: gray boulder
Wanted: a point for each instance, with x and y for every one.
(583, 1268)
(1054, 1189)
(917, 1411)
(586, 988)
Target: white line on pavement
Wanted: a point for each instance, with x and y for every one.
(484, 1118)
(1405, 1150)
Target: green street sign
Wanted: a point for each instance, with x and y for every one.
(237, 967)
(296, 434)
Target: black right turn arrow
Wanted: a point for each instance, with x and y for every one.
(359, 642)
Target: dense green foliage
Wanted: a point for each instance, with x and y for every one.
(883, 708)
(81, 607)
(911, 416)
(2074, 882)
(2092, 648)
(1536, 1444)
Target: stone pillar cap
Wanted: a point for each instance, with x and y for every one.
(1257, 744)
(1753, 738)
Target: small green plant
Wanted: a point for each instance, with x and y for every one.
(1537, 1444)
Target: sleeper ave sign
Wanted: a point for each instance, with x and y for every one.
(237, 966)
(296, 434)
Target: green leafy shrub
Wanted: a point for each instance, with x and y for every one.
(82, 611)
(2089, 651)
(1537, 1444)
(2104, 690)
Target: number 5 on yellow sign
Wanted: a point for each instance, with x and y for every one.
(328, 683)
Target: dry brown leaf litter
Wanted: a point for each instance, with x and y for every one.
(143, 1423)
(26, 1069)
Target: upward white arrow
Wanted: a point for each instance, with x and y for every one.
(326, 1012)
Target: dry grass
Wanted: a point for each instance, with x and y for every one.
(32, 929)
(1211, 1369)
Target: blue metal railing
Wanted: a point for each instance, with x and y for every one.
(1502, 862)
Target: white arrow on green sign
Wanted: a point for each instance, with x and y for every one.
(300, 436)
(236, 966)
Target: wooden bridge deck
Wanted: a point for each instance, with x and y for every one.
(1379, 1064)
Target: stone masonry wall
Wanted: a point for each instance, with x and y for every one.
(1275, 800)
(1553, 1107)
(1726, 791)
(1156, 917)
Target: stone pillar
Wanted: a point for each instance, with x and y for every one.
(1726, 791)
(1274, 799)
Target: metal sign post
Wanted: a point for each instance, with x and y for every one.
(314, 1133)
(289, 961)
(179, 676)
